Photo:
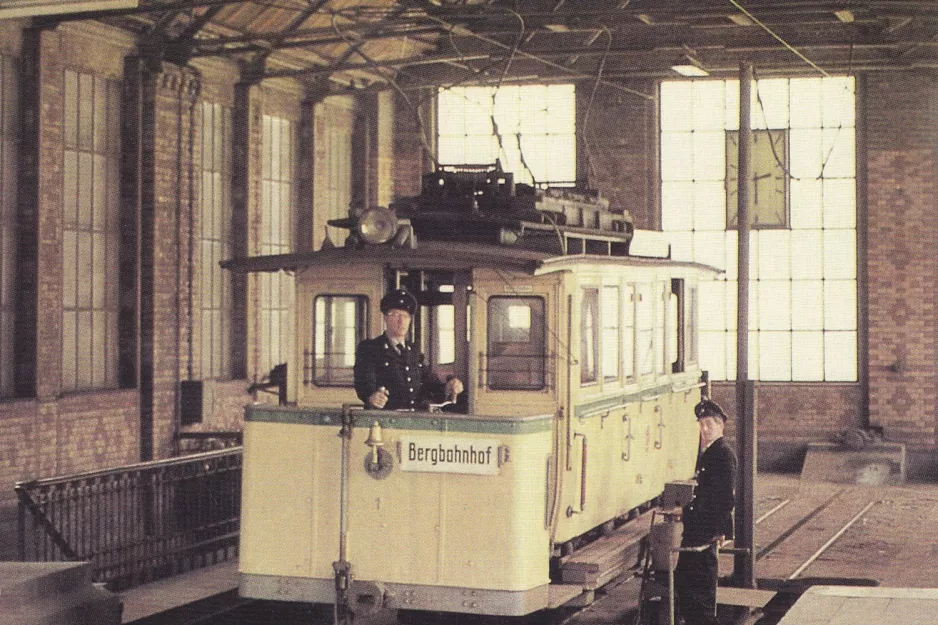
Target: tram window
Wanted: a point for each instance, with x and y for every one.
(690, 326)
(516, 343)
(661, 307)
(644, 319)
(675, 314)
(589, 336)
(339, 323)
(610, 343)
(628, 332)
(444, 318)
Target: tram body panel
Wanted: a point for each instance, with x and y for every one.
(510, 397)
(418, 526)
(287, 501)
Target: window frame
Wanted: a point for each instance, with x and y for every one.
(311, 377)
(91, 138)
(537, 337)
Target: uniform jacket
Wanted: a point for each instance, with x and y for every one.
(710, 514)
(407, 380)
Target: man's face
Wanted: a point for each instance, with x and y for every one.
(398, 323)
(711, 428)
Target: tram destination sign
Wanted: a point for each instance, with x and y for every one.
(436, 454)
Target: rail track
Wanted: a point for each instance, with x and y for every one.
(793, 534)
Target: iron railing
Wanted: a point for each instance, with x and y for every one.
(137, 523)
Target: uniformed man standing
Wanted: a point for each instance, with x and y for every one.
(708, 519)
(389, 371)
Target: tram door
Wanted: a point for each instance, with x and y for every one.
(440, 327)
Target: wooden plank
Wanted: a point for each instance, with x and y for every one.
(747, 597)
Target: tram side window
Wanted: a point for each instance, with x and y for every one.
(589, 336)
(690, 326)
(676, 312)
(516, 343)
(628, 332)
(610, 343)
(661, 311)
(644, 319)
(339, 323)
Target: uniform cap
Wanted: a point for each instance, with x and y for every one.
(709, 408)
(399, 299)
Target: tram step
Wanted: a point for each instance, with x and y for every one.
(607, 557)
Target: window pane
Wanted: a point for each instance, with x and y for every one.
(840, 304)
(516, 347)
(710, 204)
(713, 347)
(806, 203)
(774, 356)
(803, 277)
(644, 320)
(807, 305)
(628, 332)
(775, 254)
(589, 336)
(676, 148)
(840, 254)
(840, 200)
(774, 305)
(807, 355)
(338, 328)
(771, 107)
(840, 356)
(709, 156)
(610, 338)
(536, 126)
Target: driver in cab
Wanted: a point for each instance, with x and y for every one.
(389, 371)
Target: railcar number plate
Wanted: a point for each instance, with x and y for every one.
(476, 456)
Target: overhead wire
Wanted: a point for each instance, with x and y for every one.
(589, 105)
(787, 45)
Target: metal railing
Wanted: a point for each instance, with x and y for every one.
(137, 523)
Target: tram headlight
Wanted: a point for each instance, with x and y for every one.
(377, 225)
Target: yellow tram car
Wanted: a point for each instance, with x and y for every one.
(580, 368)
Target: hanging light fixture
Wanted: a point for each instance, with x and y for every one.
(688, 65)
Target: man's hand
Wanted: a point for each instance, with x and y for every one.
(453, 388)
(379, 398)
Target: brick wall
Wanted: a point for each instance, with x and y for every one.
(902, 167)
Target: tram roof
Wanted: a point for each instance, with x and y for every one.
(446, 256)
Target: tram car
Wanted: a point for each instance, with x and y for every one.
(580, 367)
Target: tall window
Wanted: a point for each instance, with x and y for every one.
(610, 343)
(339, 326)
(589, 336)
(803, 293)
(516, 343)
(216, 240)
(8, 125)
(90, 232)
(277, 197)
(531, 129)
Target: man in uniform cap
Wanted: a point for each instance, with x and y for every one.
(708, 519)
(389, 371)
